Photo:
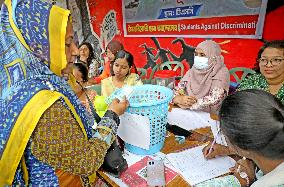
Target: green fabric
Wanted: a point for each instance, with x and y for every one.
(226, 181)
(258, 81)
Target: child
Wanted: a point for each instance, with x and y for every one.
(80, 72)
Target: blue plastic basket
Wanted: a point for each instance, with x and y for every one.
(151, 101)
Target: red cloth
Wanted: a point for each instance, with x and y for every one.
(274, 25)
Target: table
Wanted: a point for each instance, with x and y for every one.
(197, 138)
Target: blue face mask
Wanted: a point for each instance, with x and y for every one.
(200, 62)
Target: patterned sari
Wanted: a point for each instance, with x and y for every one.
(32, 55)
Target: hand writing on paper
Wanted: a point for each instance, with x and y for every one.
(119, 107)
(184, 101)
(216, 150)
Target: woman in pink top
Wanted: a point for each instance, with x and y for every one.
(206, 84)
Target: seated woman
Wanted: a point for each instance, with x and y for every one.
(270, 70)
(87, 56)
(80, 72)
(269, 77)
(112, 48)
(121, 75)
(255, 132)
(205, 85)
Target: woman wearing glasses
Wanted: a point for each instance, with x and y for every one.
(270, 70)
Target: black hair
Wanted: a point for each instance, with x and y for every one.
(91, 52)
(278, 44)
(127, 56)
(253, 120)
(83, 69)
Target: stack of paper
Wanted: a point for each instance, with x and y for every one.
(194, 168)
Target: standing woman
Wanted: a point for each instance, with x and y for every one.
(87, 56)
(121, 74)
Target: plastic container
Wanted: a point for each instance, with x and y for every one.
(164, 77)
(151, 101)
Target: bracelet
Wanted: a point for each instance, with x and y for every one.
(244, 175)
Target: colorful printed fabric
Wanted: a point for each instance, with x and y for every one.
(32, 55)
(58, 141)
(212, 100)
(258, 81)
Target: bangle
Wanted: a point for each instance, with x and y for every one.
(244, 175)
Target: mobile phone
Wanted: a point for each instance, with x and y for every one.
(156, 173)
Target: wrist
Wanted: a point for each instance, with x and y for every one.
(113, 115)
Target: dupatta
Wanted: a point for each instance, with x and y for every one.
(32, 55)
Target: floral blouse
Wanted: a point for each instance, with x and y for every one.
(258, 81)
(215, 96)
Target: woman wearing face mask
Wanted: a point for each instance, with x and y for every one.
(206, 84)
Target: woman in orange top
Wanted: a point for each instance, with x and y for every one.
(112, 48)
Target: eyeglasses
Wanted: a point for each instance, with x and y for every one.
(274, 61)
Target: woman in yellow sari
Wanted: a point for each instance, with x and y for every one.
(45, 132)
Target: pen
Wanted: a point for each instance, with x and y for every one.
(211, 147)
(214, 141)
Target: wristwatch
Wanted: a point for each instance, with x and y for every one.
(244, 175)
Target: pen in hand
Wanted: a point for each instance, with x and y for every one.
(211, 147)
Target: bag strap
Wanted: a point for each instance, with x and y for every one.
(93, 110)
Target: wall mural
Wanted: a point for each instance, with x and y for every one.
(102, 22)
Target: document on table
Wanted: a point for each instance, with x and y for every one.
(135, 130)
(218, 135)
(194, 168)
(189, 120)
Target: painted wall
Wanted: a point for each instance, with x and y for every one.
(101, 21)
(237, 52)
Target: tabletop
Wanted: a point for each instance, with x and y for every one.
(198, 137)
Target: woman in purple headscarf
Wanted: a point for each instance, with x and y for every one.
(205, 85)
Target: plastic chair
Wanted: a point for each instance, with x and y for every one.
(142, 72)
(243, 70)
(149, 80)
(169, 65)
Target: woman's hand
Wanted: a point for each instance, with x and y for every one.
(118, 106)
(247, 166)
(217, 150)
(184, 101)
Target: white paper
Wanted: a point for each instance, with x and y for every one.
(126, 91)
(135, 130)
(194, 168)
(188, 119)
(218, 135)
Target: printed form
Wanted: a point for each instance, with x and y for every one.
(194, 168)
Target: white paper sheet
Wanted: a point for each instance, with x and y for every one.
(135, 130)
(194, 168)
(188, 119)
(218, 135)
